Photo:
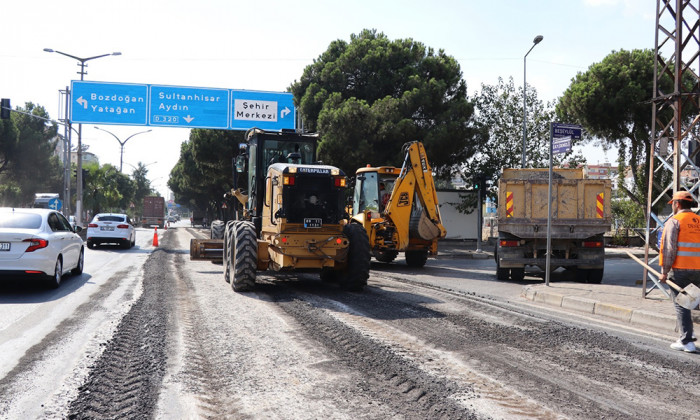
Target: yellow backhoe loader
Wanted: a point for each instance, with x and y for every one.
(399, 208)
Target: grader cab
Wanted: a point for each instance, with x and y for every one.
(290, 216)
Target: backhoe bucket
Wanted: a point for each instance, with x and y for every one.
(427, 230)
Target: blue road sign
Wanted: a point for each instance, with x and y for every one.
(55, 204)
(264, 110)
(109, 103)
(566, 130)
(177, 106)
(180, 106)
(562, 134)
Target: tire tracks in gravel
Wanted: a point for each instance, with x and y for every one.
(125, 381)
(389, 377)
(579, 372)
(200, 373)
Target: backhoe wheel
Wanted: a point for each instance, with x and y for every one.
(228, 237)
(244, 257)
(217, 229)
(416, 258)
(384, 256)
(357, 272)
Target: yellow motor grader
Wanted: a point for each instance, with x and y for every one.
(399, 208)
(290, 215)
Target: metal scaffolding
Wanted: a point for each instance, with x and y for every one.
(675, 113)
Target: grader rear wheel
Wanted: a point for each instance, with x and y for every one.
(217, 229)
(244, 257)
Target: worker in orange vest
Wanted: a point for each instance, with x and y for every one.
(679, 258)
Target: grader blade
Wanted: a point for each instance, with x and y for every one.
(206, 250)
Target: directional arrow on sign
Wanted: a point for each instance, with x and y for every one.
(188, 118)
(284, 112)
(82, 102)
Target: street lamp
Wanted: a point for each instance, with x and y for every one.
(535, 41)
(122, 143)
(79, 180)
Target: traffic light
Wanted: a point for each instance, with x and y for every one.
(5, 109)
(85, 173)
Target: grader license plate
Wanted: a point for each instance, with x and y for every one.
(313, 223)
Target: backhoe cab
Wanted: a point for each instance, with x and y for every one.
(399, 208)
(289, 216)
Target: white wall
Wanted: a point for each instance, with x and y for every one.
(458, 225)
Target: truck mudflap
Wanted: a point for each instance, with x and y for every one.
(206, 249)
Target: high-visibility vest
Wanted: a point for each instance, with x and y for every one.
(688, 255)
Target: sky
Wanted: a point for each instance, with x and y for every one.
(265, 45)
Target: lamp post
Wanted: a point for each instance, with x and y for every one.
(122, 143)
(79, 181)
(535, 41)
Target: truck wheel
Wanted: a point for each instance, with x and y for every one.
(502, 273)
(228, 237)
(416, 258)
(384, 256)
(357, 272)
(517, 274)
(244, 257)
(595, 275)
(217, 229)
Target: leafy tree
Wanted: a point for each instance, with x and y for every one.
(27, 148)
(370, 96)
(612, 101)
(107, 189)
(142, 188)
(499, 115)
(203, 174)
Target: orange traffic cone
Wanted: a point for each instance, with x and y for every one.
(155, 237)
(166, 225)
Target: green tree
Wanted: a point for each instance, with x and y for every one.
(107, 189)
(203, 173)
(499, 116)
(27, 147)
(612, 101)
(368, 97)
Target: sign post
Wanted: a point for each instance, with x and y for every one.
(561, 135)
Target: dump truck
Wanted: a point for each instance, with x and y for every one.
(153, 212)
(399, 208)
(289, 216)
(580, 217)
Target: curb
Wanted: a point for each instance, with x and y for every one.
(593, 307)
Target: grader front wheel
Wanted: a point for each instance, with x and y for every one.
(244, 257)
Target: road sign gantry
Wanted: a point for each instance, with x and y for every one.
(180, 106)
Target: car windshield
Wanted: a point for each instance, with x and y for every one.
(17, 220)
(110, 218)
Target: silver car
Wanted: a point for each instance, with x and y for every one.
(39, 242)
(111, 228)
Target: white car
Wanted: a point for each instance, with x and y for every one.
(111, 228)
(39, 242)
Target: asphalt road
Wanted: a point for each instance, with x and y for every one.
(147, 333)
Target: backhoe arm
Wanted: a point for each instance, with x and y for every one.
(415, 180)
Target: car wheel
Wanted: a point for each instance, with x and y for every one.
(133, 240)
(55, 280)
(78, 270)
